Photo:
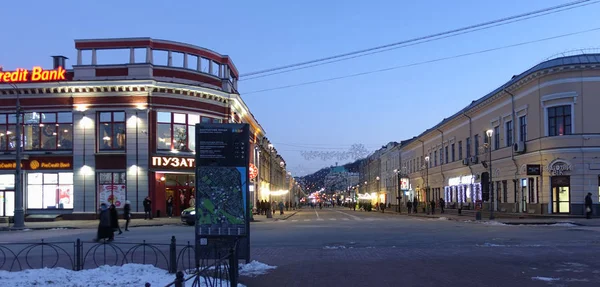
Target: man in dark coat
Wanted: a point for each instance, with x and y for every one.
(114, 219)
(588, 205)
(147, 208)
(127, 214)
(104, 229)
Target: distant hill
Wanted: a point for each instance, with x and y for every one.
(314, 181)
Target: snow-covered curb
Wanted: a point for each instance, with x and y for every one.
(116, 276)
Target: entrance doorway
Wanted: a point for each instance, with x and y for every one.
(7, 203)
(561, 194)
(181, 187)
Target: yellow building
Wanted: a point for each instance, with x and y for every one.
(545, 143)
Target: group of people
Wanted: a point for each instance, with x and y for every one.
(263, 206)
(412, 206)
(170, 201)
(109, 221)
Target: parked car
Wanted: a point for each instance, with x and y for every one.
(189, 216)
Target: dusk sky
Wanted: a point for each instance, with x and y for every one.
(371, 109)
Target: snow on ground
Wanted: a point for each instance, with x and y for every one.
(335, 247)
(255, 268)
(443, 218)
(116, 276)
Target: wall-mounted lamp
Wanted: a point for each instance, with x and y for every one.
(162, 179)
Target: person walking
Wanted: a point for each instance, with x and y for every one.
(432, 206)
(127, 214)
(281, 206)
(104, 229)
(114, 219)
(147, 208)
(588, 206)
(415, 205)
(409, 206)
(192, 201)
(170, 206)
(442, 204)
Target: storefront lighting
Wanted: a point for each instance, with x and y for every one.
(86, 170)
(106, 138)
(86, 122)
(174, 151)
(80, 107)
(133, 169)
(133, 120)
(41, 125)
(141, 106)
(162, 178)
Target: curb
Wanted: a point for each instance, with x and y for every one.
(286, 217)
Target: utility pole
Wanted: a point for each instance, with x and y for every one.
(489, 134)
(19, 217)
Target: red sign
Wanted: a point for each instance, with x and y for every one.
(37, 74)
(253, 171)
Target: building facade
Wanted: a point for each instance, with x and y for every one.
(107, 131)
(535, 138)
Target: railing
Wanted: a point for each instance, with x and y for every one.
(80, 255)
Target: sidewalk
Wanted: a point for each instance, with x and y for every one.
(506, 218)
(161, 221)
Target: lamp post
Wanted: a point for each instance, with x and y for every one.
(489, 133)
(427, 184)
(271, 148)
(19, 215)
(397, 172)
(378, 189)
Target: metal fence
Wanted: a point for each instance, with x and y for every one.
(79, 255)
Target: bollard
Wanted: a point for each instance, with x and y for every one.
(173, 255)
(179, 280)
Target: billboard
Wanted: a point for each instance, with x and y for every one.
(222, 185)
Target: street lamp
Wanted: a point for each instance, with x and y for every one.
(489, 133)
(427, 183)
(19, 213)
(397, 172)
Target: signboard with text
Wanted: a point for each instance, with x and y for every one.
(404, 184)
(534, 169)
(222, 187)
(37, 74)
(173, 162)
(39, 163)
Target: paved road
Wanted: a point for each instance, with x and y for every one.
(341, 247)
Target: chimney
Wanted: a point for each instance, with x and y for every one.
(59, 61)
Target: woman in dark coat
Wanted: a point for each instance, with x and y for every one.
(127, 214)
(114, 219)
(104, 229)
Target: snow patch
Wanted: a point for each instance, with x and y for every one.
(117, 276)
(335, 247)
(495, 223)
(255, 268)
(546, 279)
(490, 245)
(443, 218)
(564, 224)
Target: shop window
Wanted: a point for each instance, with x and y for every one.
(453, 154)
(177, 131)
(446, 154)
(50, 190)
(468, 147)
(112, 188)
(435, 157)
(460, 155)
(509, 133)
(559, 120)
(111, 131)
(505, 189)
(476, 145)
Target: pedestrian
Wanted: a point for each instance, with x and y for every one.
(114, 219)
(281, 206)
(409, 206)
(287, 206)
(169, 206)
(147, 208)
(432, 206)
(442, 204)
(257, 206)
(415, 205)
(192, 201)
(588, 205)
(127, 214)
(274, 207)
(382, 206)
(104, 229)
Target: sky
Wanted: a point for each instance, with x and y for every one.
(331, 116)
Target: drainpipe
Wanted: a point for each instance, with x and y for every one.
(469, 165)
(423, 154)
(512, 154)
(442, 159)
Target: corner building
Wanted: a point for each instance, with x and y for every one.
(119, 126)
(545, 146)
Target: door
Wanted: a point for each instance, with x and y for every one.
(7, 203)
(561, 194)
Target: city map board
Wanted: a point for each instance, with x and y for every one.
(222, 166)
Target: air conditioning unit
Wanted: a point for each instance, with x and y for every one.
(519, 147)
(466, 161)
(474, 159)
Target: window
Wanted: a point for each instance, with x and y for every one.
(446, 153)
(111, 131)
(468, 147)
(499, 192)
(559, 121)
(460, 157)
(523, 128)
(441, 156)
(453, 158)
(509, 133)
(8, 140)
(435, 154)
(48, 131)
(505, 189)
(496, 137)
(430, 162)
(50, 190)
(476, 145)
(112, 188)
(177, 131)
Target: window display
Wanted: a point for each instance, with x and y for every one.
(50, 190)
(112, 188)
(176, 131)
(111, 131)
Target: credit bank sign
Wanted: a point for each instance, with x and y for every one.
(37, 74)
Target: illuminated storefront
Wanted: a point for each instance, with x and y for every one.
(462, 189)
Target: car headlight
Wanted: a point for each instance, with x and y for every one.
(193, 212)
